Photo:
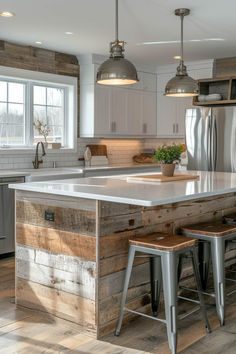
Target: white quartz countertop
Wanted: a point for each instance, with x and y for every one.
(13, 173)
(121, 190)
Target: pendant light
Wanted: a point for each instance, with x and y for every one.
(181, 85)
(117, 70)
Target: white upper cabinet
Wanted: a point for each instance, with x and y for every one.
(110, 111)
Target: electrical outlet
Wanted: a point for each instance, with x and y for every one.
(49, 215)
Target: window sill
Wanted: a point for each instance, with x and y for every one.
(31, 150)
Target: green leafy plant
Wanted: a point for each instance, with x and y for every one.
(168, 154)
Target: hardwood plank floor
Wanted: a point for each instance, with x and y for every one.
(23, 331)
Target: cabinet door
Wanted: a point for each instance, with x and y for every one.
(134, 112)
(166, 115)
(118, 111)
(149, 114)
(102, 100)
(7, 217)
(183, 103)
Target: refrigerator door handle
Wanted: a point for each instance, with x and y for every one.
(208, 143)
(213, 143)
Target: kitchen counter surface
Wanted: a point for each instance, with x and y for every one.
(120, 190)
(13, 173)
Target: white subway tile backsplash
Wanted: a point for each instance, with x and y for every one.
(120, 151)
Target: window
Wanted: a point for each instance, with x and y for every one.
(25, 101)
(48, 108)
(12, 113)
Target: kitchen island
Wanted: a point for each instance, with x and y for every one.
(72, 239)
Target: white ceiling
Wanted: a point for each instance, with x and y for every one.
(92, 22)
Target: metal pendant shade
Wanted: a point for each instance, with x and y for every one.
(181, 85)
(117, 70)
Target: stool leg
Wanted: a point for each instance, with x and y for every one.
(204, 255)
(218, 257)
(199, 288)
(180, 266)
(169, 273)
(125, 288)
(156, 283)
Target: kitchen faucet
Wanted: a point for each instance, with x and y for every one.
(36, 161)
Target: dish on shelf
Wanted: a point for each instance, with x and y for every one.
(201, 98)
(213, 97)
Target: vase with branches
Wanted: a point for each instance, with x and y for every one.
(43, 129)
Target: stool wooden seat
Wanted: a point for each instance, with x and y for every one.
(163, 242)
(215, 228)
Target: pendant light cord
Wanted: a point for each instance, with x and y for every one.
(182, 38)
(116, 22)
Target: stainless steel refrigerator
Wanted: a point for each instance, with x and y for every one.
(211, 138)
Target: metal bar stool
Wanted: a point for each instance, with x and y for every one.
(215, 234)
(169, 249)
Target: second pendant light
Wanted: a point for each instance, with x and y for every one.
(181, 85)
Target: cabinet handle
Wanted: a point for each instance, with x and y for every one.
(2, 237)
(144, 128)
(174, 128)
(113, 127)
(177, 128)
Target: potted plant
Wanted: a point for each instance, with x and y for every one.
(168, 156)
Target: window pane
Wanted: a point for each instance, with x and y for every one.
(55, 134)
(40, 114)
(15, 113)
(3, 134)
(3, 91)
(55, 116)
(15, 135)
(55, 96)
(3, 112)
(39, 95)
(15, 92)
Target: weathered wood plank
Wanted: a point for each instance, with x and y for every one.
(57, 241)
(56, 200)
(65, 219)
(109, 308)
(171, 212)
(113, 283)
(110, 225)
(118, 243)
(61, 272)
(59, 303)
(114, 209)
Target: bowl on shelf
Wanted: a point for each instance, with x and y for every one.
(201, 98)
(213, 97)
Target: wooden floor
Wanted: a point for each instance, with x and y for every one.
(24, 331)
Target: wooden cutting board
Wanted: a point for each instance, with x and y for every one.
(98, 150)
(160, 178)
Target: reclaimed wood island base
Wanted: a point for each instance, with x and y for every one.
(73, 266)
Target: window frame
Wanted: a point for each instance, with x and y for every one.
(31, 78)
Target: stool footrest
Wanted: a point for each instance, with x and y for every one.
(229, 279)
(144, 315)
(138, 297)
(231, 293)
(195, 291)
(181, 317)
(187, 299)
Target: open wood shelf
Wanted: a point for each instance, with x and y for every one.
(226, 86)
